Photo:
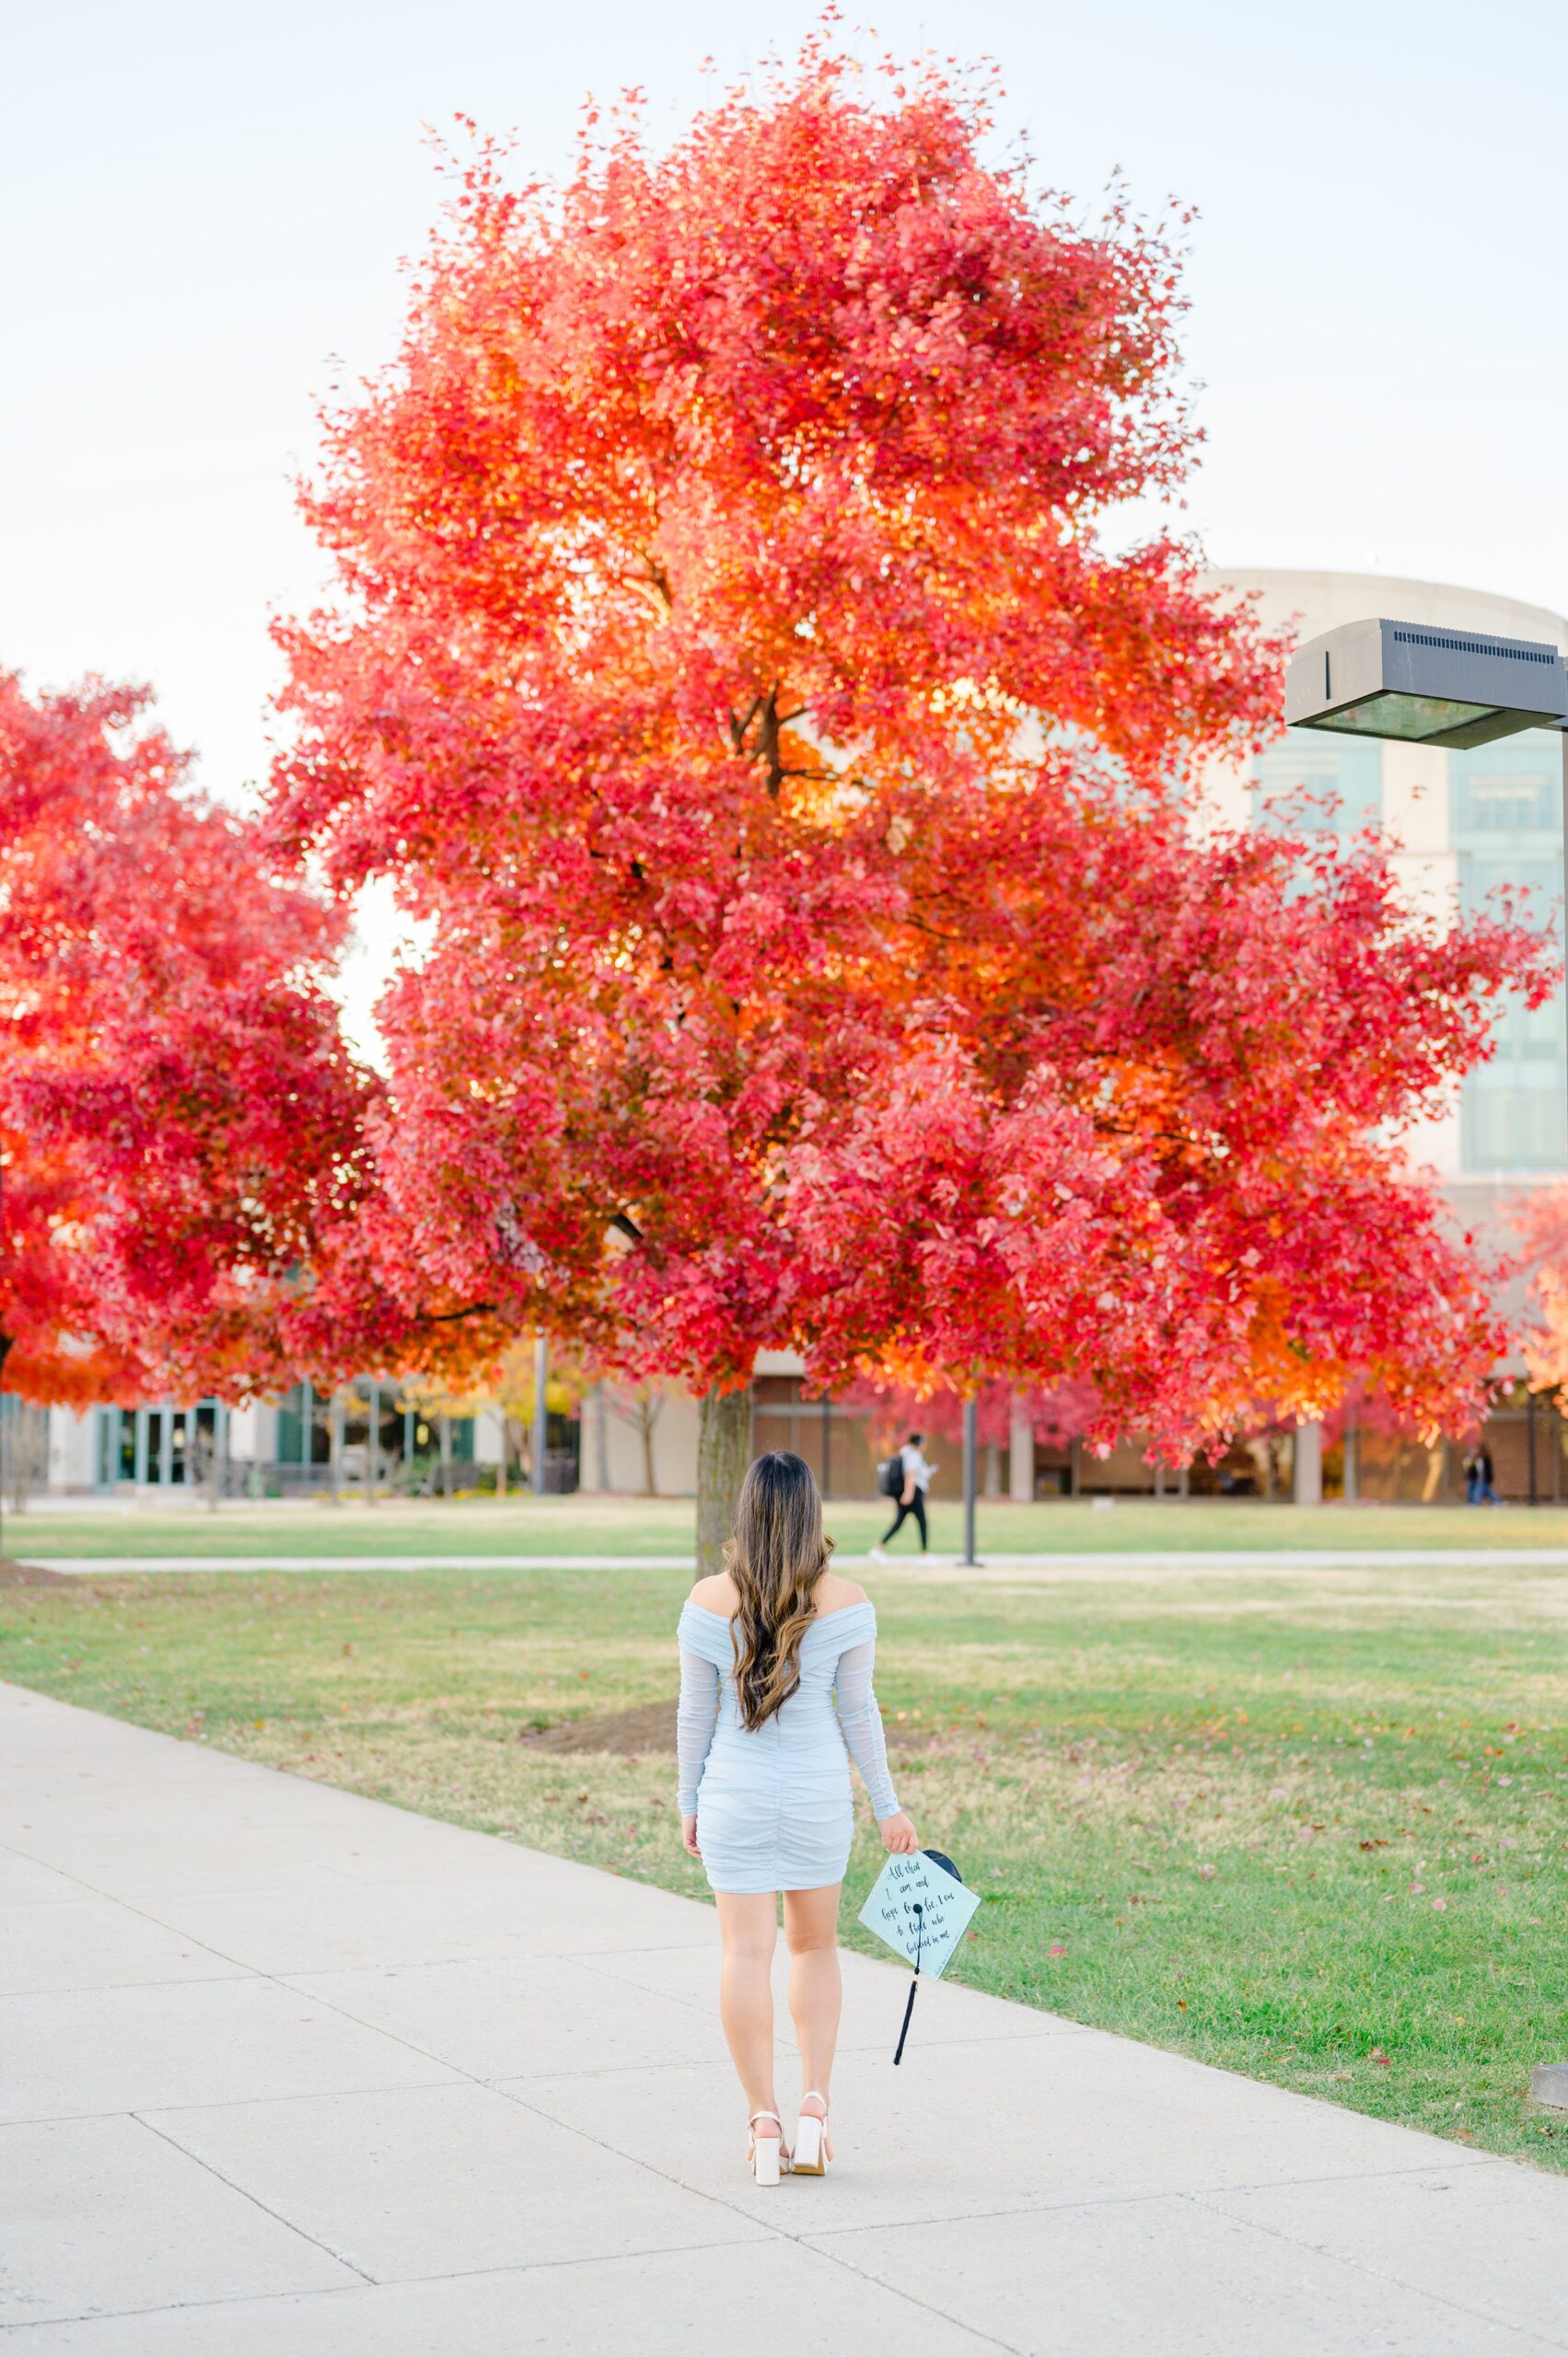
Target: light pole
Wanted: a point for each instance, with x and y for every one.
(540, 1410)
(971, 1454)
(1412, 683)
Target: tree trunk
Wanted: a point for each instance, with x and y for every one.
(541, 1411)
(212, 1464)
(335, 1447)
(4, 1354)
(723, 1449)
(601, 1421)
(647, 1418)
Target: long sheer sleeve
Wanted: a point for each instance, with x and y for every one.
(861, 1722)
(694, 1718)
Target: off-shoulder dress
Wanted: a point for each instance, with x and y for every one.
(774, 1805)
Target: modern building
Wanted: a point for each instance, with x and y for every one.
(1466, 822)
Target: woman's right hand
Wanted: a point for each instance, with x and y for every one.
(689, 1836)
(898, 1833)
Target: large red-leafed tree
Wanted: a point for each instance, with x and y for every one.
(181, 1127)
(731, 667)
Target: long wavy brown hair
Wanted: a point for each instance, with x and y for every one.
(776, 1557)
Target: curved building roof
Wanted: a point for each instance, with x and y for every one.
(1323, 600)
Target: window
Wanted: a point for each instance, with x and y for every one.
(838, 1443)
(1514, 787)
(1505, 822)
(304, 1433)
(1348, 774)
(1507, 1125)
(294, 1416)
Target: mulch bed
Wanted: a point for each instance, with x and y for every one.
(14, 1575)
(650, 1727)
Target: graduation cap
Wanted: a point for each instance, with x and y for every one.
(919, 1905)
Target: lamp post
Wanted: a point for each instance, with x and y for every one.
(1412, 683)
(971, 1453)
(540, 1410)
(1415, 684)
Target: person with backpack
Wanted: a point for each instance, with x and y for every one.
(906, 1477)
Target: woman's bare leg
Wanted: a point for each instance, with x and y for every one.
(749, 1926)
(816, 1990)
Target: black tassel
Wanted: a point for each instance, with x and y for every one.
(914, 1983)
(909, 2008)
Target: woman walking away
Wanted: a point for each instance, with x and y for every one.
(776, 1654)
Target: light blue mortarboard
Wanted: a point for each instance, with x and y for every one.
(919, 1905)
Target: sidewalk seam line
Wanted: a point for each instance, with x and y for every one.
(1110, 2199)
(266, 2209)
(1381, 2275)
(386, 2282)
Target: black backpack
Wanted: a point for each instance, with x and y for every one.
(891, 1477)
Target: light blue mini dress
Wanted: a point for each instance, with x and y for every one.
(774, 1803)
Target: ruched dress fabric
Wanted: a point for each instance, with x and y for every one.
(774, 1803)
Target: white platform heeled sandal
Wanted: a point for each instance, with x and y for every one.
(811, 2157)
(765, 2155)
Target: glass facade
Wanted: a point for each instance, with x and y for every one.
(838, 1443)
(1505, 824)
(158, 1444)
(1346, 773)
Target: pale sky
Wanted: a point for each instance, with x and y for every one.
(205, 203)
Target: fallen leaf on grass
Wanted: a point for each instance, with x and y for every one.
(1384, 2062)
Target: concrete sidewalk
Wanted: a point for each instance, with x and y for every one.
(288, 2073)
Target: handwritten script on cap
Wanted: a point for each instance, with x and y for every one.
(944, 1906)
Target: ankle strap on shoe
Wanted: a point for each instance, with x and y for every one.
(766, 2115)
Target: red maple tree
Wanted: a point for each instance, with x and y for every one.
(181, 1127)
(731, 667)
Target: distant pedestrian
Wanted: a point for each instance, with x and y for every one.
(1480, 1491)
(911, 1498)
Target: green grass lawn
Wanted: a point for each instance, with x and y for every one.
(591, 1526)
(1308, 1824)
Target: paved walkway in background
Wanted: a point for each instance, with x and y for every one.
(289, 2073)
(1165, 1559)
